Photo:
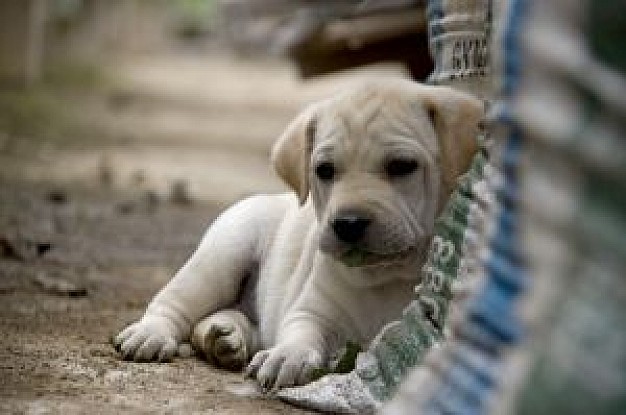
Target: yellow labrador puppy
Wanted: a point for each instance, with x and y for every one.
(291, 277)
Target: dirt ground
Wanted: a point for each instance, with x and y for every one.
(98, 210)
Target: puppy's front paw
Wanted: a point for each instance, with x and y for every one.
(284, 366)
(149, 339)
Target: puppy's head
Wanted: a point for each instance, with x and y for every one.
(379, 162)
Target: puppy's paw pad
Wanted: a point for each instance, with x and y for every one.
(226, 344)
(221, 329)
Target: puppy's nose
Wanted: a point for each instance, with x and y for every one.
(350, 228)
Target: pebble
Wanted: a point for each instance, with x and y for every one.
(59, 286)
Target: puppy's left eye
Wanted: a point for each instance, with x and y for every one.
(325, 171)
(396, 168)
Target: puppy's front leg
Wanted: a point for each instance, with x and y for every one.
(312, 328)
(209, 281)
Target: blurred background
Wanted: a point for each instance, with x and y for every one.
(183, 95)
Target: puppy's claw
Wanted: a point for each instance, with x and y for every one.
(255, 364)
(167, 352)
(284, 367)
(267, 386)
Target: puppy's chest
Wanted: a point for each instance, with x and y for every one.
(282, 274)
(368, 310)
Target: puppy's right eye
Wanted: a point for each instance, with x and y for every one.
(397, 168)
(325, 171)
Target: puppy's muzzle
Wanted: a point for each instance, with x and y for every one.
(351, 227)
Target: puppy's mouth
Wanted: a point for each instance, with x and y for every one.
(354, 257)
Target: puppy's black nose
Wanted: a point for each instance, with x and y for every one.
(350, 228)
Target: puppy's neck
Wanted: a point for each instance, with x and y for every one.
(405, 270)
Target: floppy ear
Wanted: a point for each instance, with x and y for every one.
(457, 119)
(292, 152)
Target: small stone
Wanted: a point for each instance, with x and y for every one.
(59, 286)
(22, 249)
(151, 200)
(42, 247)
(9, 250)
(126, 208)
(180, 193)
(57, 196)
(105, 171)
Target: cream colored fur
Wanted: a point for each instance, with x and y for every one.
(272, 280)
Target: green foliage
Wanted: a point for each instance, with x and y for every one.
(27, 113)
(345, 364)
(197, 7)
(42, 112)
(196, 17)
(76, 75)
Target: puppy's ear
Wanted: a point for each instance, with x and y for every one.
(292, 152)
(458, 120)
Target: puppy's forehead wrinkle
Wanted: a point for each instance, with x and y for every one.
(325, 151)
(364, 117)
(402, 145)
(375, 114)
